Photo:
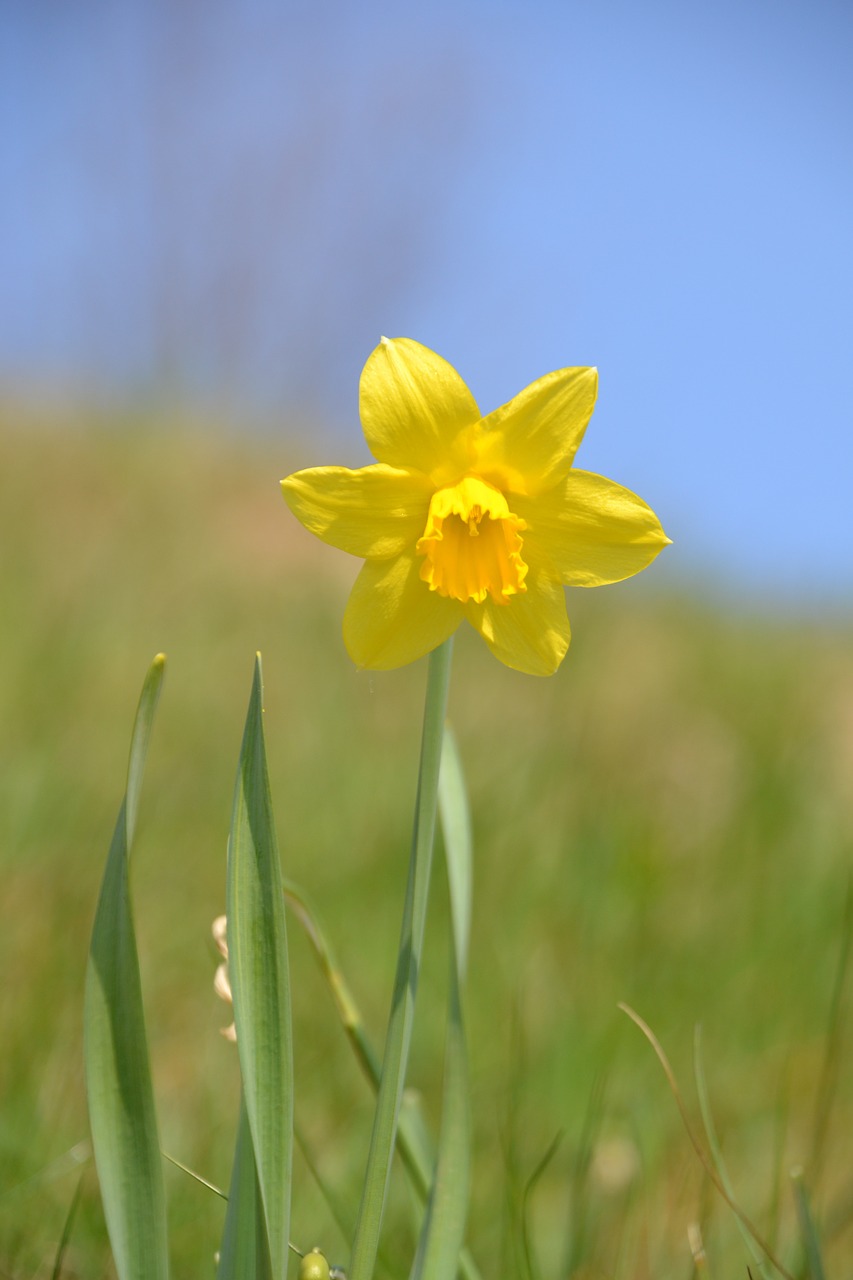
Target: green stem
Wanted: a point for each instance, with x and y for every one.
(366, 1242)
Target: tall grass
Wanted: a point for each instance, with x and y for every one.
(667, 822)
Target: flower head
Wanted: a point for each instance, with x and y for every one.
(466, 517)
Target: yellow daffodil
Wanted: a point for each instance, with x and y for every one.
(470, 517)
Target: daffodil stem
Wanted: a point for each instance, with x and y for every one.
(366, 1242)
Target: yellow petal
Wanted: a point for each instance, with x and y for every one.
(376, 511)
(528, 445)
(415, 410)
(393, 618)
(531, 632)
(591, 530)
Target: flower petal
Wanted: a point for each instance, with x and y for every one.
(531, 633)
(376, 511)
(528, 445)
(592, 530)
(415, 410)
(393, 618)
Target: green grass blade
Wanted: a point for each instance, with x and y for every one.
(67, 1228)
(579, 1230)
(260, 985)
(811, 1244)
(832, 1056)
(118, 1076)
(704, 1158)
(531, 1262)
(369, 1224)
(415, 1151)
(717, 1153)
(456, 828)
(414, 1146)
(443, 1230)
(245, 1251)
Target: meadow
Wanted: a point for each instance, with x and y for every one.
(666, 822)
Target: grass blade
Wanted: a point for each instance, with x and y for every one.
(413, 1145)
(118, 1076)
(579, 1229)
(811, 1244)
(455, 815)
(260, 985)
(704, 1158)
(532, 1264)
(67, 1228)
(245, 1250)
(443, 1230)
(829, 1073)
(400, 1022)
(717, 1152)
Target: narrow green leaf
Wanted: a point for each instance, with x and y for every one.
(401, 1018)
(443, 1232)
(67, 1228)
(458, 845)
(244, 1254)
(531, 1262)
(118, 1076)
(260, 984)
(811, 1244)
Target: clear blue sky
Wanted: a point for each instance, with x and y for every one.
(232, 200)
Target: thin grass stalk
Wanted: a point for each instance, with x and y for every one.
(829, 1072)
(717, 1152)
(704, 1158)
(531, 1261)
(811, 1243)
(398, 1039)
(67, 1228)
(575, 1249)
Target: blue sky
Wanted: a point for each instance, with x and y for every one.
(228, 202)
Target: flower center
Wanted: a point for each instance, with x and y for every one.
(472, 544)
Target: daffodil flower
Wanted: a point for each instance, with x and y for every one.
(466, 517)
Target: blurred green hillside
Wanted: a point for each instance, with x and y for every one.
(666, 822)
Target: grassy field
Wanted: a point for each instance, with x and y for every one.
(666, 822)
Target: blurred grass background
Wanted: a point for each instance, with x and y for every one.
(666, 822)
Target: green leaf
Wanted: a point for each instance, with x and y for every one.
(260, 984)
(67, 1228)
(458, 845)
(443, 1232)
(118, 1076)
(245, 1252)
(398, 1040)
(811, 1243)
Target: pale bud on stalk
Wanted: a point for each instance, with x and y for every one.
(221, 984)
